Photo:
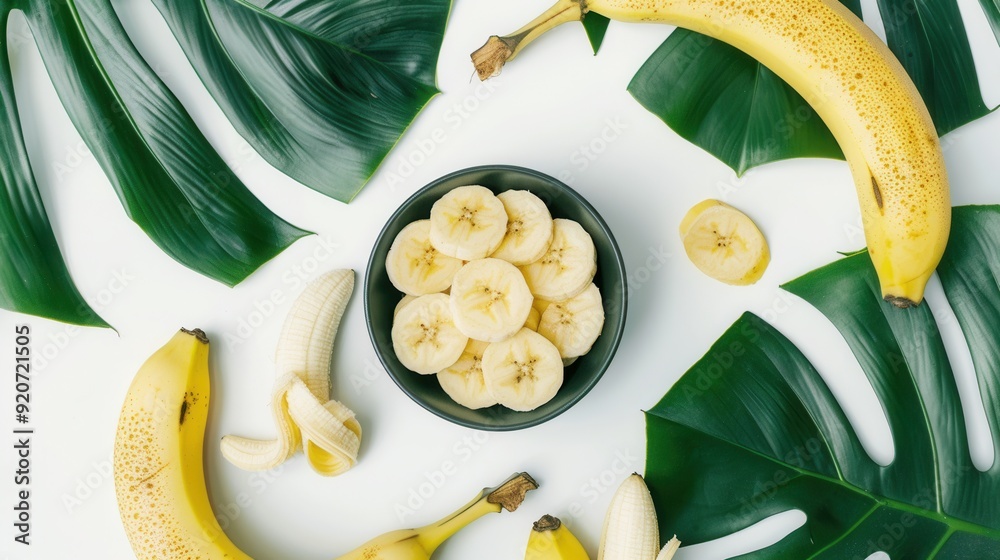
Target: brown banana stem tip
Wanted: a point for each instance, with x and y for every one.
(197, 333)
(901, 302)
(511, 493)
(547, 523)
(490, 58)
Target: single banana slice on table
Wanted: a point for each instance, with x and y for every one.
(574, 325)
(490, 300)
(402, 303)
(523, 372)
(463, 381)
(567, 267)
(468, 223)
(529, 228)
(724, 243)
(424, 335)
(303, 413)
(414, 266)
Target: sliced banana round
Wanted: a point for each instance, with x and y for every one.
(463, 381)
(468, 223)
(529, 228)
(567, 267)
(523, 372)
(574, 325)
(489, 300)
(724, 243)
(424, 336)
(414, 266)
(402, 303)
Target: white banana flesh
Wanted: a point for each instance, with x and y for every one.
(724, 243)
(529, 228)
(468, 223)
(304, 415)
(490, 300)
(414, 266)
(567, 267)
(523, 372)
(463, 381)
(424, 336)
(575, 324)
(630, 528)
(669, 549)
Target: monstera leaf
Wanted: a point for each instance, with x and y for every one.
(322, 89)
(752, 430)
(732, 106)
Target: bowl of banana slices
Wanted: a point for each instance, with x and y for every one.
(496, 297)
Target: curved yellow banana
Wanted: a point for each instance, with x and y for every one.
(420, 544)
(854, 83)
(158, 468)
(550, 539)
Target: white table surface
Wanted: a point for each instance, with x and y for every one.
(555, 99)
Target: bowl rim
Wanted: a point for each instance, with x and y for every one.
(616, 335)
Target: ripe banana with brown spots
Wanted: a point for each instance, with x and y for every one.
(854, 83)
(158, 469)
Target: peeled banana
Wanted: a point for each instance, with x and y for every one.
(854, 83)
(550, 539)
(630, 528)
(158, 468)
(420, 544)
(304, 414)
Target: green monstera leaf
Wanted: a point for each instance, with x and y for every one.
(727, 103)
(322, 89)
(752, 430)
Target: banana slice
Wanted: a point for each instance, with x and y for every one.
(534, 317)
(574, 325)
(523, 372)
(463, 381)
(567, 268)
(468, 223)
(724, 243)
(424, 336)
(489, 300)
(529, 228)
(402, 303)
(414, 266)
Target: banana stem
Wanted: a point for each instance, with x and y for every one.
(508, 495)
(491, 57)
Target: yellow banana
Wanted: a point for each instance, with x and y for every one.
(853, 82)
(158, 469)
(420, 544)
(550, 539)
(160, 478)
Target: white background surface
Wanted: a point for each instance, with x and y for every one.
(555, 99)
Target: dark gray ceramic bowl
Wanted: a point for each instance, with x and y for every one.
(381, 297)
